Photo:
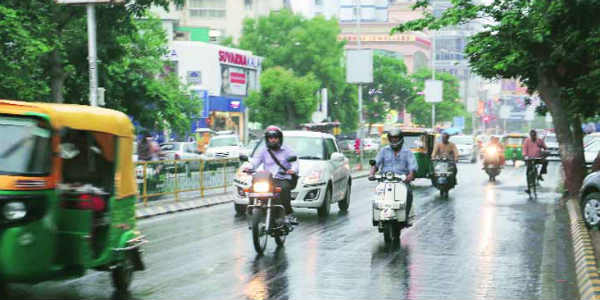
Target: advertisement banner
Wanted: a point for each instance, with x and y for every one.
(234, 80)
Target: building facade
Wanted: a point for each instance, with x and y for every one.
(220, 77)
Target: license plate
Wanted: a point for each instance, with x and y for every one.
(387, 213)
(442, 180)
(260, 195)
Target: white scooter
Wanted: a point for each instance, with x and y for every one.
(390, 204)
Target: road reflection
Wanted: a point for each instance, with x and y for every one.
(268, 278)
(390, 271)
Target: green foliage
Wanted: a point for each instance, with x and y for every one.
(392, 88)
(450, 107)
(48, 60)
(284, 98)
(306, 46)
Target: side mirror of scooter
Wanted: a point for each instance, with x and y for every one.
(243, 157)
(292, 158)
(372, 162)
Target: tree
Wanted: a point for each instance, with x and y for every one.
(306, 46)
(547, 45)
(48, 52)
(284, 98)
(446, 110)
(391, 88)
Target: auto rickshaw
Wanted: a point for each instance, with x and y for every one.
(513, 146)
(420, 142)
(67, 194)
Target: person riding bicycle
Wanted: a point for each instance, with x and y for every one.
(275, 148)
(446, 149)
(533, 149)
(400, 161)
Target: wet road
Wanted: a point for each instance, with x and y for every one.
(486, 241)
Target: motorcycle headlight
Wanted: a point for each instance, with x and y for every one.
(313, 177)
(441, 167)
(492, 151)
(14, 210)
(389, 175)
(261, 187)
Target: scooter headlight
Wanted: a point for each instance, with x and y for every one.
(261, 187)
(14, 211)
(441, 167)
(492, 151)
(389, 175)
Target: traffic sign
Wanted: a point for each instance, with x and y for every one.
(433, 91)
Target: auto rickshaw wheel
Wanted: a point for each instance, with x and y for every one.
(122, 275)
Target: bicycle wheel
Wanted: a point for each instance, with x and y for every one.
(530, 179)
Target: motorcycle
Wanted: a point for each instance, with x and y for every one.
(265, 218)
(491, 162)
(390, 204)
(443, 175)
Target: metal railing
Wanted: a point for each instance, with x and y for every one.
(174, 177)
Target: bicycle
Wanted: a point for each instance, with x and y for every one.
(533, 172)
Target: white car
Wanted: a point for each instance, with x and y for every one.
(552, 144)
(591, 150)
(324, 173)
(223, 146)
(179, 150)
(466, 147)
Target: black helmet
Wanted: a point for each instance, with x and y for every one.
(273, 131)
(397, 133)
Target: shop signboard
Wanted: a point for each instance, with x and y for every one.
(233, 80)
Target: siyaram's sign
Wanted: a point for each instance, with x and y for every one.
(233, 58)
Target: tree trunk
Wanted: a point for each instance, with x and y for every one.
(568, 130)
(58, 76)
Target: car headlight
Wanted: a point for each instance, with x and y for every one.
(313, 177)
(261, 187)
(14, 210)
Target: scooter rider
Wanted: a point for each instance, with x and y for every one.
(494, 143)
(400, 161)
(282, 179)
(446, 149)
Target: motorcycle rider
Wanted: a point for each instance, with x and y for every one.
(446, 149)
(282, 179)
(532, 148)
(400, 161)
(494, 142)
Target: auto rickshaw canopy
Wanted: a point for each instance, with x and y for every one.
(100, 121)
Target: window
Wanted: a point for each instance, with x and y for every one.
(318, 2)
(330, 147)
(248, 4)
(207, 8)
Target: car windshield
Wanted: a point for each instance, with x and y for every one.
(515, 140)
(171, 146)
(550, 139)
(305, 147)
(462, 140)
(223, 141)
(25, 149)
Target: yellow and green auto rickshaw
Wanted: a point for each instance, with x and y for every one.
(67, 193)
(420, 141)
(513, 146)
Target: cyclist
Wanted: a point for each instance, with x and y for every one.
(533, 149)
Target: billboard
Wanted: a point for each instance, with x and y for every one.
(359, 66)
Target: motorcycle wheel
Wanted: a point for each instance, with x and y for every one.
(259, 231)
(388, 232)
(122, 275)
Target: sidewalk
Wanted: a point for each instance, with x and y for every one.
(168, 206)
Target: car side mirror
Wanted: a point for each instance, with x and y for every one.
(337, 156)
(243, 157)
(292, 158)
(372, 162)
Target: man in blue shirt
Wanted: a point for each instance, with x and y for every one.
(400, 161)
(282, 178)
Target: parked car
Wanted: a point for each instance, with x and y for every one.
(179, 150)
(370, 145)
(590, 199)
(346, 145)
(466, 146)
(591, 150)
(248, 148)
(552, 144)
(223, 146)
(590, 138)
(324, 173)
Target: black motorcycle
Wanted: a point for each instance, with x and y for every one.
(265, 218)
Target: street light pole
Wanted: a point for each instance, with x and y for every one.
(91, 28)
(360, 106)
(433, 76)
